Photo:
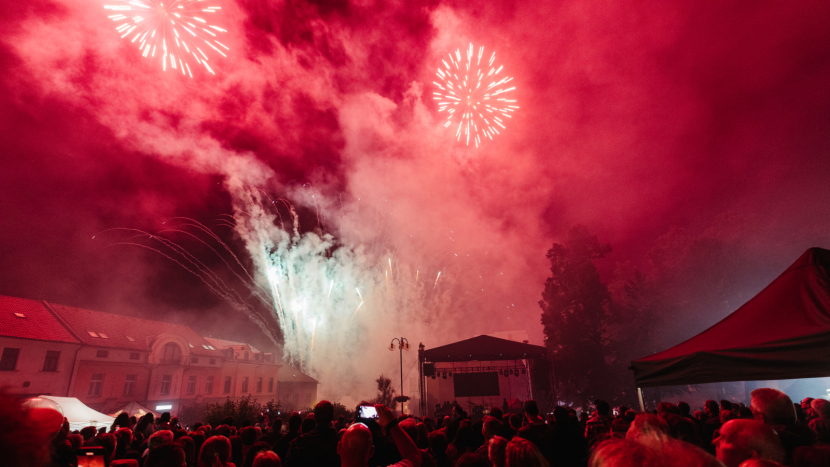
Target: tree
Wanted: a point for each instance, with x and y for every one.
(576, 307)
(386, 393)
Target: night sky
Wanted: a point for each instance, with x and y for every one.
(695, 128)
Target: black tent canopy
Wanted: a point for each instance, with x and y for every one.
(781, 333)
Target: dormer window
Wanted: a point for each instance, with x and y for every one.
(92, 333)
(102, 335)
(171, 353)
(20, 315)
(131, 339)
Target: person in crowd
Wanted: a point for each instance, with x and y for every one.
(294, 424)
(267, 459)
(254, 451)
(167, 454)
(198, 438)
(318, 446)
(308, 425)
(496, 451)
(567, 440)
(512, 426)
(423, 435)
(490, 429)
(236, 450)
(274, 434)
(356, 446)
(821, 420)
(811, 456)
(598, 427)
(536, 431)
(438, 448)
(463, 441)
(189, 447)
(740, 440)
(774, 408)
(520, 452)
(121, 421)
(216, 452)
(647, 425)
(472, 460)
(806, 406)
(617, 452)
(249, 437)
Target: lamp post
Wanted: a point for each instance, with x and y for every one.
(403, 344)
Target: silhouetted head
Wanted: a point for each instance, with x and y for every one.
(740, 440)
(772, 407)
(355, 447)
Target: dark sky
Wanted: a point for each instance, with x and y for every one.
(700, 125)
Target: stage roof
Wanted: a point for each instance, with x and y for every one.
(483, 348)
(781, 333)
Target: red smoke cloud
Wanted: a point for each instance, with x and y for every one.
(634, 119)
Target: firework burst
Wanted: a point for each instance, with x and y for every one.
(176, 32)
(473, 95)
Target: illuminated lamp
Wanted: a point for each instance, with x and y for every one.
(511, 371)
(444, 375)
(433, 376)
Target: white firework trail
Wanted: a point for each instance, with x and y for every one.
(180, 31)
(473, 92)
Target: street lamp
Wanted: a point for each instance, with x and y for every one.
(403, 344)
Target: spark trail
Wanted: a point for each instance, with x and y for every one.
(474, 96)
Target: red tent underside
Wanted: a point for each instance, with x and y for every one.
(781, 333)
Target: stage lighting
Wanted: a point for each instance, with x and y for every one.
(433, 376)
(511, 371)
(501, 372)
(444, 375)
(450, 375)
(523, 371)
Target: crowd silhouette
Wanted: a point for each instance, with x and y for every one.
(771, 431)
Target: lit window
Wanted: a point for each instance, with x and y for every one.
(92, 333)
(20, 315)
(131, 339)
(205, 347)
(211, 347)
(102, 335)
(191, 345)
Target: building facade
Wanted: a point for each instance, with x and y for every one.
(108, 360)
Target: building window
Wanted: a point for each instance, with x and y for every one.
(171, 353)
(270, 384)
(194, 359)
(191, 385)
(95, 384)
(213, 361)
(9, 360)
(244, 384)
(129, 385)
(166, 380)
(209, 385)
(134, 356)
(259, 385)
(51, 362)
(227, 384)
(102, 353)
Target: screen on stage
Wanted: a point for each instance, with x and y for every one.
(476, 384)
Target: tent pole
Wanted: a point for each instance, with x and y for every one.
(640, 395)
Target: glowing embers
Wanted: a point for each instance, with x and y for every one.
(178, 33)
(475, 94)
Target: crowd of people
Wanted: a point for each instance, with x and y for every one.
(772, 431)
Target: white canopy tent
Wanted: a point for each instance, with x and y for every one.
(78, 414)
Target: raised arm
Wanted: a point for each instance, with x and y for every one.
(409, 451)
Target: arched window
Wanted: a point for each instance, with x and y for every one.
(171, 353)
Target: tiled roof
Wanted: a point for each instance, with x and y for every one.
(29, 319)
(110, 330)
(225, 344)
(289, 374)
